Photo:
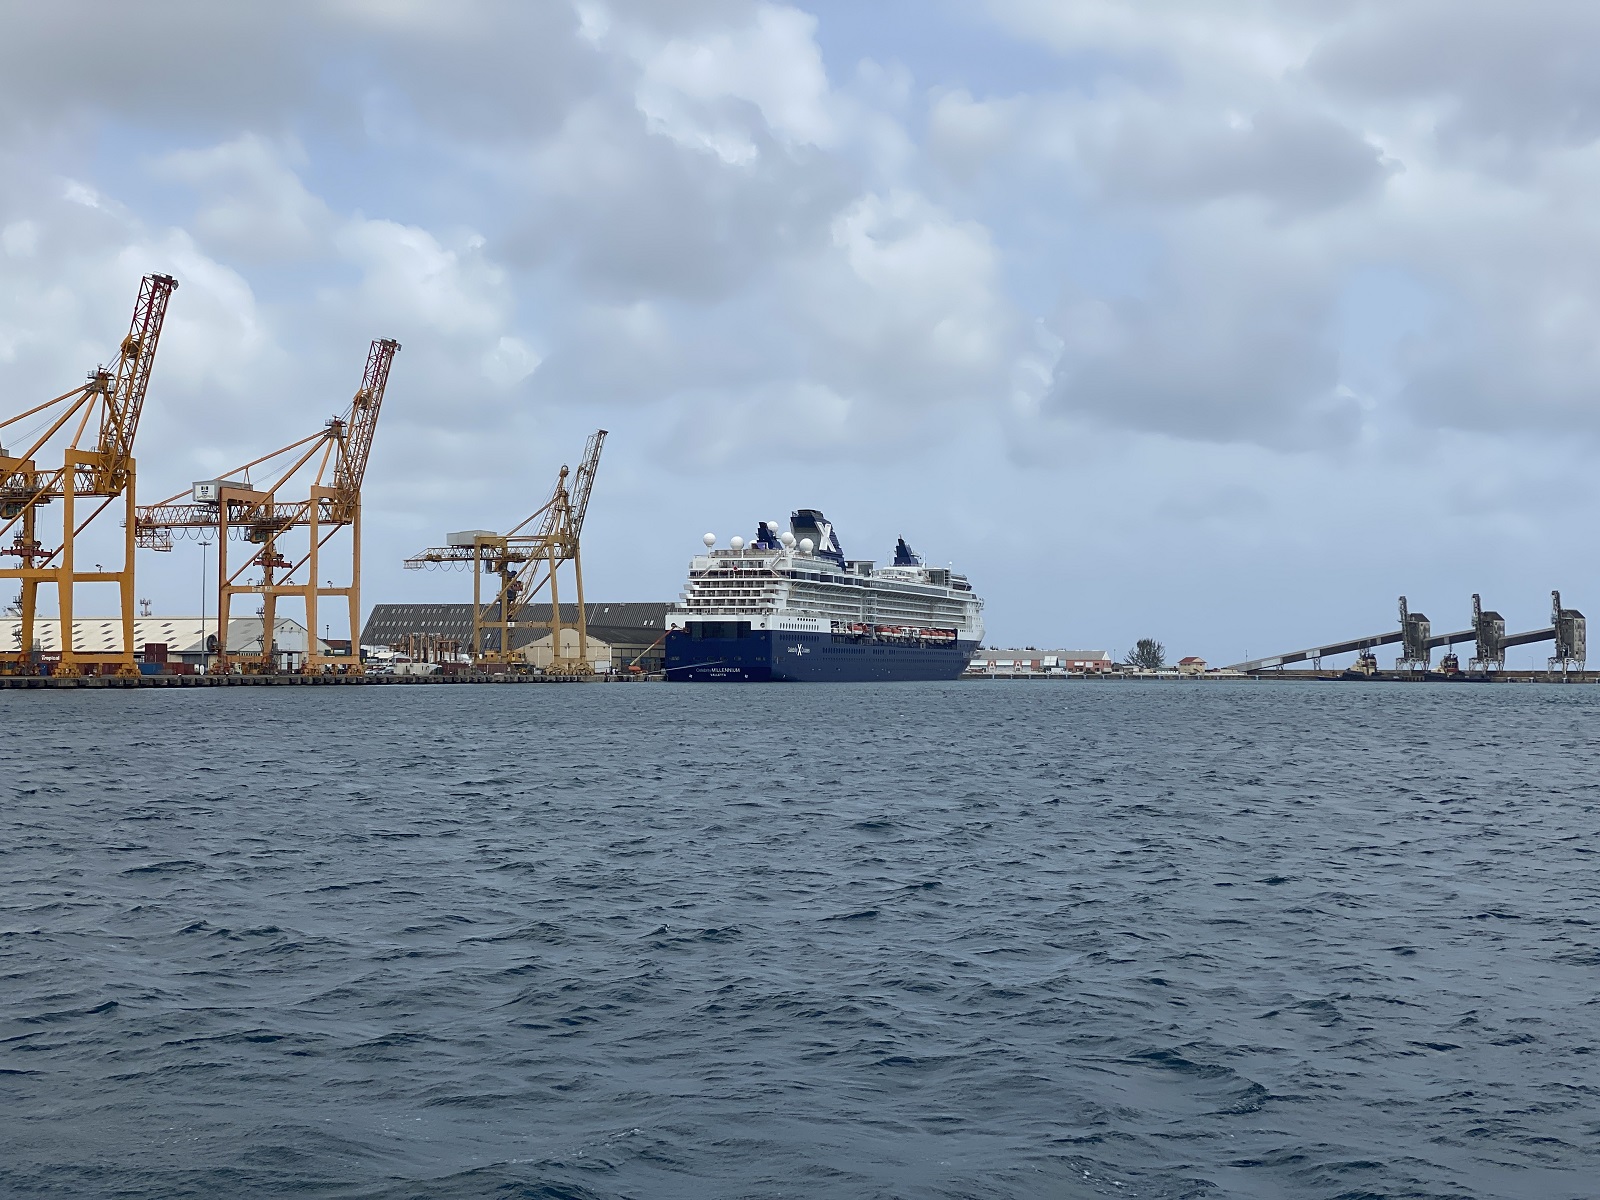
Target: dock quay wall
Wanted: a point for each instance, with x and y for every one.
(1112, 677)
(214, 681)
(8, 682)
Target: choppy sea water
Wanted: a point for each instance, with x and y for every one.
(968, 940)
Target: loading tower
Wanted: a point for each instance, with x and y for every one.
(331, 465)
(107, 472)
(1415, 630)
(1489, 636)
(1571, 635)
(522, 563)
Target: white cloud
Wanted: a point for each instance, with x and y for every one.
(412, 281)
(20, 239)
(907, 304)
(1249, 39)
(771, 63)
(965, 135)
(255, 206)
(510, 362)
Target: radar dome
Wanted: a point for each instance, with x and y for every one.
(710, 540)
(737, 543)
(807, 545)
(786, 538)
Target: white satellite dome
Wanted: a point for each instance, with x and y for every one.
(737, 543)
(710, 540)
(806, 545)
(786, 538)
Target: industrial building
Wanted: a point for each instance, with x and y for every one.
(541, 652)
(190, 640)
(1030, 661)
(630, 633)
(1567, 634)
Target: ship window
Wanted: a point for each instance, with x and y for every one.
(700, 630)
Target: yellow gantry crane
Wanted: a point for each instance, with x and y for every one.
(103, 473)
(522, 564)
(262, 516)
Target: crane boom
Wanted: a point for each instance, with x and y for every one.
(525, 563)
(583, 482)
(265, 514)
(360, 423)
(124, 399)
(106, 473)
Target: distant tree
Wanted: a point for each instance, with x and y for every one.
(1148, 655)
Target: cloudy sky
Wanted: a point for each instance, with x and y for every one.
(1222, 321)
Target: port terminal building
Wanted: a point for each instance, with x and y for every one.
(191, 641)
(1030, 661)
(627, 632)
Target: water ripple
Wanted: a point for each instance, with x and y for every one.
(948, 941)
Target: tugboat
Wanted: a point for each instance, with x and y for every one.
(1449, 668)
(1365, 667)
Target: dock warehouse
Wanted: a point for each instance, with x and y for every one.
(189, 640)
(631, 629)
(1030, 661)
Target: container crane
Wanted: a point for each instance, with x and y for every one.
(104, 473)
(262, 516)
(523, 563)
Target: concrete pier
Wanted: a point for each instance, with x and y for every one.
(214, 681)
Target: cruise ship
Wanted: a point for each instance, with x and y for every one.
(790, 607)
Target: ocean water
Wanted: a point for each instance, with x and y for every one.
(967, 940)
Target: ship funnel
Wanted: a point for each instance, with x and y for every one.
(808, 524)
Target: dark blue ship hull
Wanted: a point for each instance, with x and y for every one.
(778, 656)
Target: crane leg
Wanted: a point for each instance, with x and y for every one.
(30, 599)
(66, 569)
(224, 605)
(557, 655)
(313, 655)
(583, 616)
(125, 577)
(353, 664)
(269, 609)
(477, 605)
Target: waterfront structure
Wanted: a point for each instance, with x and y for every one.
(42, 552)
(326, 468)
(190, 640)
(1567, 632)
(1191, 666)
(1032, 661)
(541, 652)
(522, 564)
(790, 607)
(634, 632)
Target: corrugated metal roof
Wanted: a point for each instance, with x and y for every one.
(616, 623)
(182, 635)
